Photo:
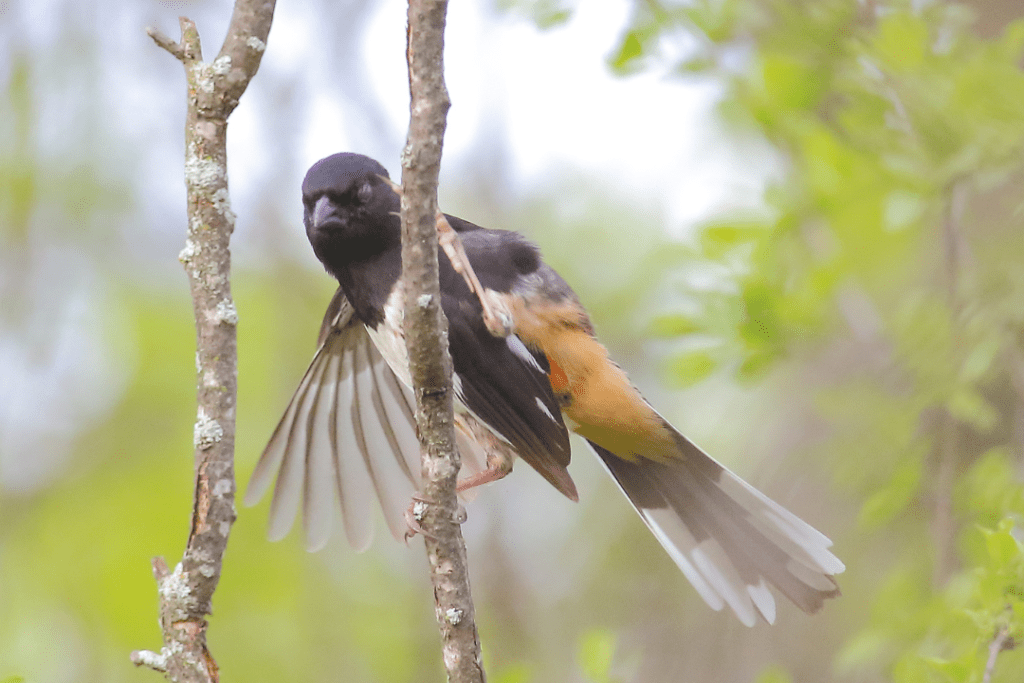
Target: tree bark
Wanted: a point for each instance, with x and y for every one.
(426, 333)
(214, 89)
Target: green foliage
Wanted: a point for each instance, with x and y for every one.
(692, 367)
(945, 635)
(889, 280)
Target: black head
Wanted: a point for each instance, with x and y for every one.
(350, 210)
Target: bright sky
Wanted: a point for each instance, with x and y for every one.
(653, 134)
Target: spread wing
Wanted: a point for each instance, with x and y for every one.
(348, 434)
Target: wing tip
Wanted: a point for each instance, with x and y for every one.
(277, 529)
(254, 493)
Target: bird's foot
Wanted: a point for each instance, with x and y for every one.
(417, 510)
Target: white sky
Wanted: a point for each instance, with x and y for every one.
(562, 107)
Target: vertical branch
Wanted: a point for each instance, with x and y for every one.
(427, 341)
(214, 89)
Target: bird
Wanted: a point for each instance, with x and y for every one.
(348, 435)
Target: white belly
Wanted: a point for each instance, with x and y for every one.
(389, 337)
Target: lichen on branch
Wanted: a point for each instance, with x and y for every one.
(213, 91)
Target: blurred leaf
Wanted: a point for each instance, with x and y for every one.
(969, 407)
(630, 50)
(673, 325)
(755, 365)
(1003, 548)
(903, 209)
(1011, 45)
(761, 327)
(596, 652)
(980, 358)
(951, 669)
(789, 83)
(18, 171)
(894, 497)
(553, 18)
(696, 65)
(902, 41)
(912, 669)
(717, 240)
(690, 368)
(861, 650)
(545, 14)
(774, 674)
(518, 673)
(992, 487)
(717, 19)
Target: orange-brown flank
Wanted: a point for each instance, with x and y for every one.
(604, 405)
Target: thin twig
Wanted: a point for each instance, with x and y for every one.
(161, 39)
(498, 324)
(426, 340)
(497, 320)
(213, 89)
(1001, 642)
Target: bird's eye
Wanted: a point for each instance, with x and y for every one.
(364, 193)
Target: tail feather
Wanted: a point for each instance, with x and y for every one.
(754, 554)
(730, 540)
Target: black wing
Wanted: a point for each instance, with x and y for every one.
(498, 379)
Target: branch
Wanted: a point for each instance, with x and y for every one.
(1001, 641)
(497, 320)
(426, 339)
(213, 92)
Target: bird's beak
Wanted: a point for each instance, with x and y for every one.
(323, 211)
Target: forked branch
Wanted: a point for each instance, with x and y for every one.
(213, 91)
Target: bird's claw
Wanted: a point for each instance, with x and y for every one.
(414, 514)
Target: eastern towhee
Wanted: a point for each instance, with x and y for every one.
(349, 432)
